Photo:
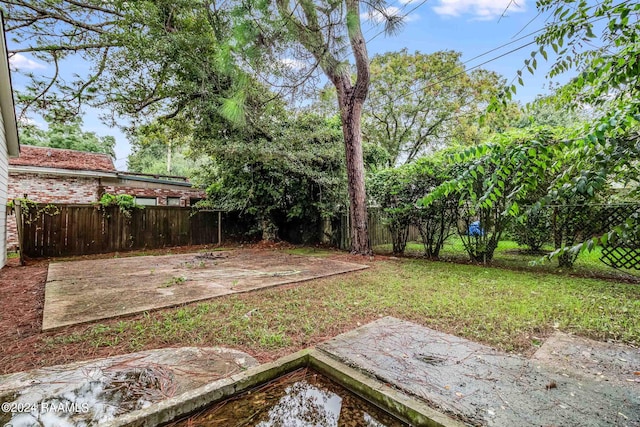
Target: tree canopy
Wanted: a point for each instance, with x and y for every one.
(66, 135)
(292, 172)
(147, 59)
(418, 101)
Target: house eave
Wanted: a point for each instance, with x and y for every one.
(61, 172)
(6, 98)
(125, 176)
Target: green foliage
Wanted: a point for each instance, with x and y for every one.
(32, 211)
(547, 111)
(146, 59)
(398, 190)
(292, 172)
(412, 109)
(66, 135)
(491, 181)
(599, 41)
(436, 221)
(163, 149)
(392, 190)
(533, 229)
(125, 203)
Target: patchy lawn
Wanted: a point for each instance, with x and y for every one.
(511, 310)
(511, 256)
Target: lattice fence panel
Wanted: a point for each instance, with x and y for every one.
(621, 254)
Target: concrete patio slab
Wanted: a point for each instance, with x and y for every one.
(480, 385)
(98, 391)
(88, 290)
(592, 360)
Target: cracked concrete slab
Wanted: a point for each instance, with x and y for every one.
(480, 385)
(89, 290)
(97, 391)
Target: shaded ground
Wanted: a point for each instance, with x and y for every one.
(106, 388)
(482, 386)
(89, 290)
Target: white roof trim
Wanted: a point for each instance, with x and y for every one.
(61, 172)
(6, 98)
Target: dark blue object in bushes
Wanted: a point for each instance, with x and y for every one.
(475, 229)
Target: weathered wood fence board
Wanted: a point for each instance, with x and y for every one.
(379, 233)
(63, 230)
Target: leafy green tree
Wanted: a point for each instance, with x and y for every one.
(176, 59)
(398, 190)
(292, 172)
(437, 221)
(324, 34)
(148, 59)
(158, 158)
(546, 111)
(66, 135)
(159, 148)
(599, 42)
(491, 181)
(391, 189)
(417, 100)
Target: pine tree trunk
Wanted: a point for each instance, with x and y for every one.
(351, 97)
(351, 114)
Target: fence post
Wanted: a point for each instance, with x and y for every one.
(18, 213)
(219, 228)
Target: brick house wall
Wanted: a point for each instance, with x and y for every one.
(50, 188)
(47, 189)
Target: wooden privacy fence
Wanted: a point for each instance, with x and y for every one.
(61, 230)
(379, 233)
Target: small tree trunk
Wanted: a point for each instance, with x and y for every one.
(269, 229)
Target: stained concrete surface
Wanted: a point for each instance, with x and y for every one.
(480, 385)
(591, 360)
(88, 290)
(95, 392)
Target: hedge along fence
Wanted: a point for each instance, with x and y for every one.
(63, 230)
(379, 232)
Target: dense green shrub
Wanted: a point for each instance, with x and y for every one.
(397, 192)
(391, 190)
(533, 229)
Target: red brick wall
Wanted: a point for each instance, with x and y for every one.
(72, 190)
(47, 189)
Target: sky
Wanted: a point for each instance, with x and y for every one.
(473, 27)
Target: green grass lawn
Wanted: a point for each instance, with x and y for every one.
(510, 255)
(512, 310)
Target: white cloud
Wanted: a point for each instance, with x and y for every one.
(481, 9)
(21, 62)
(378, 18)
(294, 64)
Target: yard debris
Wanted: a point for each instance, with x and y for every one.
(249, 313)
(212, 255)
